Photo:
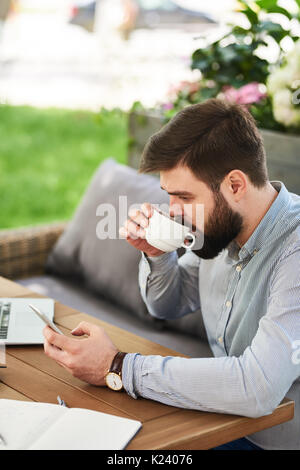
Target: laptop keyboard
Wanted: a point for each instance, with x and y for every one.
(4, 318)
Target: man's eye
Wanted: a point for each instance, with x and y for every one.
(185, 198)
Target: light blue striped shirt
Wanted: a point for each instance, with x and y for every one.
(250, 302)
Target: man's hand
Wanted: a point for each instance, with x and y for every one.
(88, 359)
(134, 230)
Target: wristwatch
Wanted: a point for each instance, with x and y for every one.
(113, 378)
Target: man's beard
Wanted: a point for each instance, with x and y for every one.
(222, 227)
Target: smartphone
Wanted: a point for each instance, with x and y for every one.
(45, 319)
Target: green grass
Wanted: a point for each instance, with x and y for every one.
(47, 158)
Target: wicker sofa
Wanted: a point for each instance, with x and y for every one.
(24, 251)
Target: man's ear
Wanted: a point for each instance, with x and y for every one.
(235, 185)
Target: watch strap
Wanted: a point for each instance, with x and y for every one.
(116, 365)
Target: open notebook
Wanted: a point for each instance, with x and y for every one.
(31, 425)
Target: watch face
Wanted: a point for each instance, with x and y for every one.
(113, 381)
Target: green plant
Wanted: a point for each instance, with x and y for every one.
(232, 67)
(234, 58)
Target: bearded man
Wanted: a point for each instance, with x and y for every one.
(245, 278)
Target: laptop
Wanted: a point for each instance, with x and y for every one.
(19, 324)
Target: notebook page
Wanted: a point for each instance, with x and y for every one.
(88, 430)
(21, 422)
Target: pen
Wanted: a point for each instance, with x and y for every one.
(2, 440)
(61, 402)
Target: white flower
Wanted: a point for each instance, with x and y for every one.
(276, 81)
(283, 111)
(283, 86)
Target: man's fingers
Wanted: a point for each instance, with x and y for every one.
(60, 341)
(84, 328)
(143, 214)
(139, 218)
(134, 233)
(134, 227)
(147, 209)
(55, 353)
(134, 230)
(123, 232)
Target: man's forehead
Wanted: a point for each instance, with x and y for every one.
(180, 180)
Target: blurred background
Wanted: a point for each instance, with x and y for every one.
(72, 72)
(83, 54)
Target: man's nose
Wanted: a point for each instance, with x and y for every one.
(175, 208)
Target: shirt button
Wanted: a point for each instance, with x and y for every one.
(228, 303)
(238, 268)
(220, 340)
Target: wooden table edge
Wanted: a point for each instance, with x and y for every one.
(209, 439)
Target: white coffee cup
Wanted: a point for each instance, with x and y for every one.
(165, 234)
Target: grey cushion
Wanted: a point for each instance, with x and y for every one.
(107, 266)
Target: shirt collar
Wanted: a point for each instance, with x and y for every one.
(266, 229)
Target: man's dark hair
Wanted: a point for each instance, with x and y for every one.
(211, 139)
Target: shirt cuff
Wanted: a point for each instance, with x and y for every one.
(162, 262)
(132, 363)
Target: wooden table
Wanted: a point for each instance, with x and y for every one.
(30, 375)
